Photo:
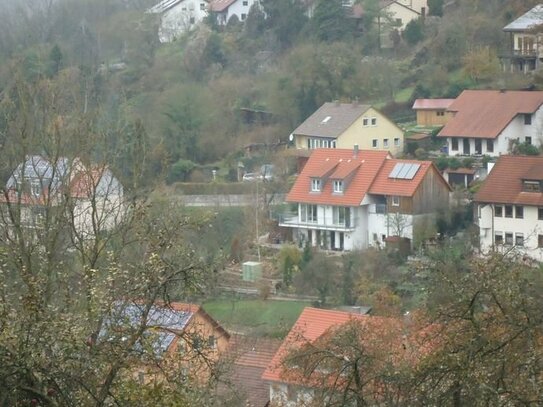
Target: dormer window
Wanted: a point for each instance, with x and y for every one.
(338, 186)
(531, 186)
(316, 185)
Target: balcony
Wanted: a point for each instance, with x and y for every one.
(291, 219)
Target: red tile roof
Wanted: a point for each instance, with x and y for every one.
(504, 183)
(370, 169)
(432, 104)
(486, 113)
(220, 5)
(384, 185)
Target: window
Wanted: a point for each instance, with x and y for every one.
(396, 142)
(528, 140)
(490, 146)
(365, 122)
(338, 186)
(540, 213)
(531, 186)
(385, 143)
(375, 237)
(539, 241)
(519, 239)
(454, 144)
(395, 201)
(374, 143)
(508, 211)
(333, 144)
(211, 342)
(498, 211)
(35, 187)
(308, 213)
(243, 16)
(519, 212)
(245, 3)
(498, 238)
(527, 118)
(315, 185)
(192, 20)
(509, 239)
(202, 6)
(374, 121)
(196, 342)
(440, 113)
(340, 215)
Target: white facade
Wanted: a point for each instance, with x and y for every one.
(367, 225)
(517, 129)
(284, 395)
(179, 18)
(506, 228)
(240, 9)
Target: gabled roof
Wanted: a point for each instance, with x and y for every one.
(370, 171)
(331, 120)
(163, 6)
(527, 21)
(486, 113)
(369, 163)
(432, 104)
(219, 6)
(386, 3)
(97, 182)
(384, 184)
(504, 183)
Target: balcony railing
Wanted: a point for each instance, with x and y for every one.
(292, 220)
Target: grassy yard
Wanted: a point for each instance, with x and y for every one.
(258, 317)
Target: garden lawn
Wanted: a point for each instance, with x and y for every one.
(257, 317)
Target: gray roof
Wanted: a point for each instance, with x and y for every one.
(528, 20)
(38, 168)
(331, 120)
(163, 324)
(163, 6)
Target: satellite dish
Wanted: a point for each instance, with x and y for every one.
(291, 137)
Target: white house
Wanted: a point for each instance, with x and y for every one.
(487, 122)
(90, 197)
(510, 207)
(351, 199)
(178, 17)
(226, 9)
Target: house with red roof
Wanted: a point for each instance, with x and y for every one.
(432, 112)
(326, 349)
(489, 122)
(224, 10)
(510, 207)
(346, 199)
(178, 17)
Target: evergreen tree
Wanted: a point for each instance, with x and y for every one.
(329, 22)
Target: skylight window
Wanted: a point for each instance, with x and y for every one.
(326, 119)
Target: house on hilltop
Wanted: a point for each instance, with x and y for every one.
(510, 207)
(488, 122)
(525, 48)
(178, 17)
(353, 199)
(224, 10)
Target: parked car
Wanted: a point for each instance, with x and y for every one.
(250, 177)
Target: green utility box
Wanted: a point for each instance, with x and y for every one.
(252, 271)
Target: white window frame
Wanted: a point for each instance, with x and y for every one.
(396, 141)
(338, 186)
(316, 185)
(339, 215)
(395, 200)
(373, 121)
(375, 143)
(385, 142)
(365, 122)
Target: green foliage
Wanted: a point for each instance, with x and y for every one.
(285, 20)
(180, 170)
(329, 22)
(435, 7)
(213, 51)
(320, 276)
(414, 32)
(518, 148)
(289, 261)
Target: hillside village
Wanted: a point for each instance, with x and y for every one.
(271, 203)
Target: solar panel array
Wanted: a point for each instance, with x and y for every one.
(404, 171)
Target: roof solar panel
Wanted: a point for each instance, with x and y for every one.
(396, 170)
(405, 169)
(412, 171)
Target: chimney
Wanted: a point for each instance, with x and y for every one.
(355, 151)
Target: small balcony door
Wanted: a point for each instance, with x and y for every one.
(478, 146)
(466, 146)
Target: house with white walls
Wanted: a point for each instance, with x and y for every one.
(224, 10)
(510, 207)
(490, 122)
(347, 199)
(178, 17)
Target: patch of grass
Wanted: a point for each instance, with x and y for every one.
(404, 95)
(258, 317)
